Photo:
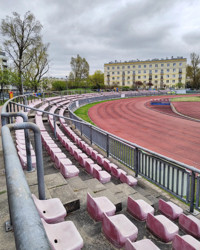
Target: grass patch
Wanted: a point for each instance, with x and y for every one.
(186, 99)
(3, 192)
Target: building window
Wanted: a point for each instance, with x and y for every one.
(174, 64)
(180, 64)
(168, 64)
(139, 71)
(167, 76)
(156, 76)
(118, 67)
(128, 77)
(144, 77)
(156, 65)
(139, 66)
(173, 81)
(162, 71)
(118, 78)
(118, 72)
(162, 65)
(134, 72)
(174, 76)
(108, 68)
(150, 65)
(150, 71)
(156, 81)
(168, 70)
(167, 81)
(128, 72)
(145, 66)
(174, 70)
(113, 73)
(113, 78)
(156, 71)
(128, 67)
(133, 66)
(139, 77)
(145, 71)
(113, 67)
(122, 67)
(128, 82)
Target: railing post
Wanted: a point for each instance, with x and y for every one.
(91, 134)
(81, 129)
(107, 145)
(136, 162)
(192, 192)
(54, 125)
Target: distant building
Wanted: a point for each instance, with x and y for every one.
(3, 60)
(162, 73)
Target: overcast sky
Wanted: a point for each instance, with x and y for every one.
(108, 30)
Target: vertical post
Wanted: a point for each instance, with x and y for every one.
(91, 134)
(81, 128)
(192, 192)
(107, 145)
(136, 162)
(54, 125)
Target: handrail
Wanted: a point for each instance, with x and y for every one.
(28, 230)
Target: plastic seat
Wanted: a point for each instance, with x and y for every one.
(89, 151)
(88, 162)
(169, 209)
(69, 171)
(101, 175)
(77, 152)
(106, 164)
(100, 159)
(185, 242)
(53, 151)
(89, 168)
(72, 147)
(99, 205)
(162, 227)
(52, 210)
(190, 224)
(116, 172)
(94, 155)
(63, 235)
(81, 159)
(140, 245)
(118, 228)
(58, 157)
(128, 179)
(139, 208)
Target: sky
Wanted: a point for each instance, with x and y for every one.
(106, 30)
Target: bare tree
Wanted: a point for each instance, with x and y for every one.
(21, 35)
(193, 71)
(39, 65)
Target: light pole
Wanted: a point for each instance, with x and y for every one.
(66, 83)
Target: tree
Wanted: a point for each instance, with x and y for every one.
(97, 79)
(80, 68)
(39, 65)
(193, 71)
(21, 35)
(149, 84)
(138, 84)
(59, 85)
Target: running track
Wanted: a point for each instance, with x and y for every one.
(131, 120)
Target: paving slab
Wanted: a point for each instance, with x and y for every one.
(54, 180)
(95, 185)
(34, 190)
(138, 196)
(67, 196)
(76, 183)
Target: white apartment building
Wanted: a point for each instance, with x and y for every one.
(3, 60)
(162, 73)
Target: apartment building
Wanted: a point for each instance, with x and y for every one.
(162, 73)
(3, 60)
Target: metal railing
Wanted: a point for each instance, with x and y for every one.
(175, 177)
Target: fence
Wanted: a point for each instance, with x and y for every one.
(177, 178)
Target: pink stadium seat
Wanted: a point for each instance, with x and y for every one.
(52, 210)
(106, 164)
(23, 160)
(185, 242)
(129, 179)
(139, 208)
(88, 162)
(97, 206)
(190, 224)
(68, 145)
(53, 151)
(63, 235)
(89, 151)
(77, 152)
(162, 227)
(118, 228)
(140, 245)
(113, 168)
(169, 209)
(81, 159)
(49, 146)
(94, 155)
(116, 172)
(101, 175)
(100, 158)
(85, 146)
(89, 168)
(58, 157)
(72, 148)
(69, 171)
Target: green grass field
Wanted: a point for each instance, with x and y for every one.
(186, 99)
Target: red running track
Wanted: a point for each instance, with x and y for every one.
(131, 120)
